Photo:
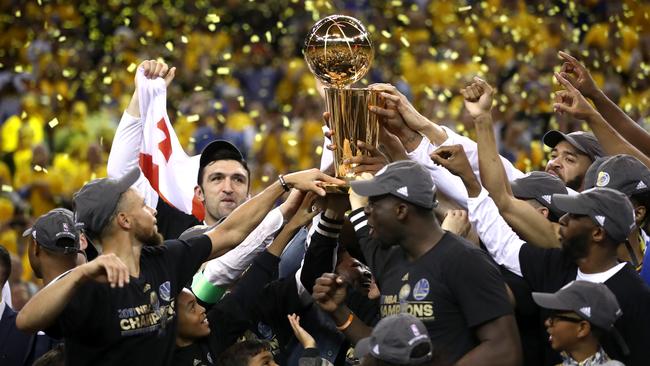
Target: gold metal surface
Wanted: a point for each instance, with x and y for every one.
(338, 50)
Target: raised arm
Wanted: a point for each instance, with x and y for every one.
(573, 103)
(522, 217)
(42, 310)
(578, 75)
(246, 217)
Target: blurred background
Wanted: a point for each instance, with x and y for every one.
(67, 68)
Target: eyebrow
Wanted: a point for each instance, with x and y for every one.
(222, 174)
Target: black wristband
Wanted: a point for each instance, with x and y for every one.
(283, 183)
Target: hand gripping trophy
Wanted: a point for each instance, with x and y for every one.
(338, 52)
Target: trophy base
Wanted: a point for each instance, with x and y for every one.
(336, 188)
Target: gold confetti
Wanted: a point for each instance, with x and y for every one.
(7, 188)
(223, 70)
(107, 80)
(265, 178)
(132, 67)
(23, 115)
(217, 105)
(255, 38)
(53, 123)
(212, 18)
(193, 118)
(184, 39)
(18, 13)
(465, 8)
(404, 19)
(258, 137)
(285, 121)
(170, 46)
(292, 142)
(198, 88)
(386, 34)
(268, 36)
(405, 42)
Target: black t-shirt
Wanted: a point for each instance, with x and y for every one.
(171, 221)
(136, 324)
(453, 288)
(548, 270)
(196, 354)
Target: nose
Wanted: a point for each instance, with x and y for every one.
(553, 163)
(227, 185)
(152, 210)
(367, 210)
(548, 323)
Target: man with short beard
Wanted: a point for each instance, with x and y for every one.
(571, 156)
(597, 221)
(120, 307)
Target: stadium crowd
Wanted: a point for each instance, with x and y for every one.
(502, 220)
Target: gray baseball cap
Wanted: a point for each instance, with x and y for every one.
(96, 201)
(541, 187)
(56, 231)
(593, 302)
(585, 142)
(624, 173)
(404, 179)
(393, 340)
(609, 208)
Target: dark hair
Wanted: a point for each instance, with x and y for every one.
(53, 357)
(642, 199)
(223, 155)
(240, 353)
(5, 265)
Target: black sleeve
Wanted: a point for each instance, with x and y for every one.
(319, 257)
(230, 317)
(186, 257)
(545, 269)
(172, 221)
(79, 315)
(478, 287)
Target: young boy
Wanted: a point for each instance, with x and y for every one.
(583, 312)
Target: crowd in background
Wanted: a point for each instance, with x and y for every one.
(67, 69)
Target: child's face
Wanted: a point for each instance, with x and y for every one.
(563, 328)
(264, 358)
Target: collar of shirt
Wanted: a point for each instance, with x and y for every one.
(597, 358)
(599, 277)
(2, 308)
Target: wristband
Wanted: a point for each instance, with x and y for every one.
(347, 323)
(284, 184)
(205, 291)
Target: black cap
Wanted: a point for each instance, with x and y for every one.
(393, 340)
(56, 231)
(623, 173)
(96, 201)
(594, 302)
(591, 174)
(219, 150)
(585, 142)
(404, 179)
(541, 187)
(609, 208)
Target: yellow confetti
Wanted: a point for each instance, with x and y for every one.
(131, 67)
(465, 8)
(404, 19)
(198, 88)
(319, 150)
(292, 142)
(254, 113)
(23, 115)
(386, 34)
(193, 118)
(227, 56)
(212, 18)
(268, 36)
(265, 178)
(107, 80)
(18, 68)
(217, 105)
(258, 137)
(184, 39)
(18, 13)
(223, 70)
(62, 39)
(212, 27)
(143, 41)
(7, 188)
(404, 41)
(285, 121)
(53, 123)
(255, 38)
(170, 46)
(59, 97)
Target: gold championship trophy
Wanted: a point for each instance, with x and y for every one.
(338, 52)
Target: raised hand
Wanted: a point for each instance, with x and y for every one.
(570, 101)
(329, 292)
(577, 74)
(371, 163)
(107, 268)
(310, 180)
(457, 222)
(305, 212)
(301, 334)
(478, 97)
(154, 69)
(398, 101)
(454, 159)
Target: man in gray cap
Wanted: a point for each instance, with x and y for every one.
(422, 270)
(571, 156)
(583, 312)
(399, 339)
(628, 175)
(120, 307)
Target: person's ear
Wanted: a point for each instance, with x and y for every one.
(639, 214)
(584, 329)
(123, 220)
(401, 211)
(198, 193)
(598, 234)
(544, 211)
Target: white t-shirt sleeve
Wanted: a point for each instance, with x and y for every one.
(501, 241)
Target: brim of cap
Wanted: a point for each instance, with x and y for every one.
(126, 181)
(519, 191)
(368, 188)
(28, 232)
(550, 301)
(570, 204)
(217, 145)
(552, 138)
(362, 348)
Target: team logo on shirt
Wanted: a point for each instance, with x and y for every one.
(405, 291)
(165, 291)
(421, 289)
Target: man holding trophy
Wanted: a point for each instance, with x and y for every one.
(422, 270)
